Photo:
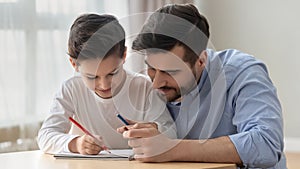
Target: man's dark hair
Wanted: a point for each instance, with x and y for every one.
(96, 36)
(175, 24)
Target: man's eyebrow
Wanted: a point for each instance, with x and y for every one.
(115, 69)
(164, 70)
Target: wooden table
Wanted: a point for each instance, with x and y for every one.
(38, 160)
(293, 160)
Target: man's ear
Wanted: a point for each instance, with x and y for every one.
(200, 64)
(73, 63)
(202, 59)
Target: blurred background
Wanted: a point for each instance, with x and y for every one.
(33, 47)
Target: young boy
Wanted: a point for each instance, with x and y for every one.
(101, 89)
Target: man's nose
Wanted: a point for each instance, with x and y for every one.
(159, 79)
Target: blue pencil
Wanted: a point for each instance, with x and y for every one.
(122, 119)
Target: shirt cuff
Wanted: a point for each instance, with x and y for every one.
(246, 149)
(66, 146)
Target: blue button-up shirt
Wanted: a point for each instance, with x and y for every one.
(235, 97)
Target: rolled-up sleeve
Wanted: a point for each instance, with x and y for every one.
(257, 117)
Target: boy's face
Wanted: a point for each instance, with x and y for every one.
(171, 75)
(105, 77)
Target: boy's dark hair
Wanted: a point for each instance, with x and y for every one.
(96, 36)
(175, 24)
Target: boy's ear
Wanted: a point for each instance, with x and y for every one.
(124, 54)
(73, 63)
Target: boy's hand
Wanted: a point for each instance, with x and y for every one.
(134, 125)
(86, 145)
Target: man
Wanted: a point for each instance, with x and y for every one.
(224, 104)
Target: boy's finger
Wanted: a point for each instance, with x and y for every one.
(131, 122)
(139, 133)
(145, 125)
(122, 129)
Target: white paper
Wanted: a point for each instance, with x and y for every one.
(117, 153)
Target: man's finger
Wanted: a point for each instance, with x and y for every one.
(138, 151)
(134, 143)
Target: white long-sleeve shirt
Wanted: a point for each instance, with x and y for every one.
(136, 100)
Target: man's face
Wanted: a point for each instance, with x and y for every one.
(170, 74)
(105, 77)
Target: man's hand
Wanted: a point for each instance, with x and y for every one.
(86, 145)
(148, 144)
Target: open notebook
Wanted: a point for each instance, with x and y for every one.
(115, 154)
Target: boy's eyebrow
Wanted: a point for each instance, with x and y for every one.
(88, 74)
(165, 70)
(115, 69)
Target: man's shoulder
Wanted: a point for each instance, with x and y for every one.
(233, 59)
(234, 63)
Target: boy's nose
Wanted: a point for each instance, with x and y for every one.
(103, 84)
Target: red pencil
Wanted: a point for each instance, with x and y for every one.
(87, 132)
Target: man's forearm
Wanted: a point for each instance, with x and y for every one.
(212, 150)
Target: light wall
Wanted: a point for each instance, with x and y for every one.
(269, 30)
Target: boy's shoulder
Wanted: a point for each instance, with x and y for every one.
(75, 78)
(73, 81)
